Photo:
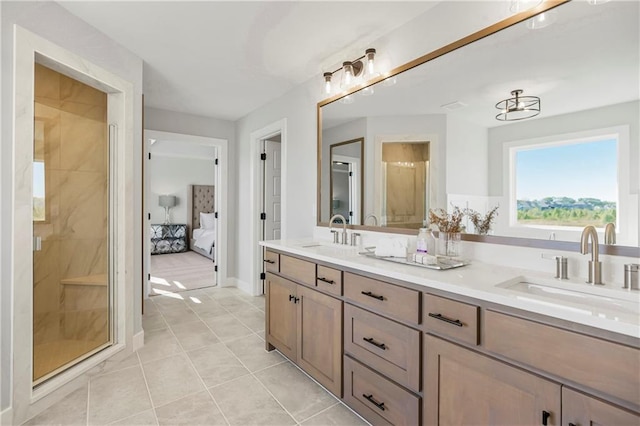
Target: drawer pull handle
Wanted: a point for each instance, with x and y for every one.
(380, 405)
(270, 261)
(545, 417)
(326, 280)
(572, 424)
(445, 319)
(291, 297)
(375, 296)
(374, 343)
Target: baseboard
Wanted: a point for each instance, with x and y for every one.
(241, 285)
(138, 340)
(6, 416)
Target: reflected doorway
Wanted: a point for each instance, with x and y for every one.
(405, 168)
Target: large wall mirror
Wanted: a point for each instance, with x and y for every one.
(573, 164)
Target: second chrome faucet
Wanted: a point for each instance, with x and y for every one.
(595, 266)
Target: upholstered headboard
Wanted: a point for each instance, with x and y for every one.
(200, 199)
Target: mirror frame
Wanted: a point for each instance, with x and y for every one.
(485, 32)
(337, 144)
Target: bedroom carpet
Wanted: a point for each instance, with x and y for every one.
(178, 272)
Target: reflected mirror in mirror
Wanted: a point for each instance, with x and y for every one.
(585, 68)
(346, 180)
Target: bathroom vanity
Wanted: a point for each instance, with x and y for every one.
(481, 344)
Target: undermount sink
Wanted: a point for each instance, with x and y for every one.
(575, 297)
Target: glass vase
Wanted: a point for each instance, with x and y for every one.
(449, 244)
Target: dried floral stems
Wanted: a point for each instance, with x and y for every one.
(446, 222)
(452, 222)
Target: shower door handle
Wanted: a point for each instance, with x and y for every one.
(37, 243)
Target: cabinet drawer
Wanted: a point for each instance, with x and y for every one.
(299, 270)
(272, 261)
(388, 299)
(329, 280)
(377, 399)
(566, 354)
(388, 347)
(451, 318)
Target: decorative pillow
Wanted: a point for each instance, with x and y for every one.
(207, 220)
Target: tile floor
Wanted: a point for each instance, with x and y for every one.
(203, 363)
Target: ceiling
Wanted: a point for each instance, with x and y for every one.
(224, 59)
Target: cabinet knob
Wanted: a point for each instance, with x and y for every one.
(291, 297)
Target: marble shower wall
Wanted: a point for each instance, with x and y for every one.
(70, 286)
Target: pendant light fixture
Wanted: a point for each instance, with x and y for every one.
(519, 107)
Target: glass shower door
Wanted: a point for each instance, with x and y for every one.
(71, 290)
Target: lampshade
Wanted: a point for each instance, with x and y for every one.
(167, 200)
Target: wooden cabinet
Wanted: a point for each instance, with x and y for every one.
(281, 315)
(306, 327)
(450, 318)
(386, 346)
(320, 337)
(579, 409)
(405, 356)
(271, 261)
(388, 299)
(598, 364)
(376, 398)
(464, 387)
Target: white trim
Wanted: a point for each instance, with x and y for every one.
(120, 111)
(241, 285)
(278, 127)
(6, 416)
(138, 340)
(221, 194)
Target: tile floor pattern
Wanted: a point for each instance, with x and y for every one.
(203, 363)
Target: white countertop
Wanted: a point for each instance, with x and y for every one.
(604, 307)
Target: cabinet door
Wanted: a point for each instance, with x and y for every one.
(280, 327)
(581, 410)
(463, 387)
(320, 338)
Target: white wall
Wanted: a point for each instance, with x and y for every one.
(171, 176)
(50, 21)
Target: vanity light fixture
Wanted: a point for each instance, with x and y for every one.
(542, 20)
(519, 107)
(522, 5)
(359, 69)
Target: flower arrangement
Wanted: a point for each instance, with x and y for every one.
(482, 224)
(447, 222)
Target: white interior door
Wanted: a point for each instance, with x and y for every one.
(272, 190)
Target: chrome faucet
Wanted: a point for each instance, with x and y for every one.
(595, 266)
(610, 233)
(344, 228)
(374, 217)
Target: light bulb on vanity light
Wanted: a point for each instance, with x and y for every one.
(369, 71)
(347, 75)
(326, 87)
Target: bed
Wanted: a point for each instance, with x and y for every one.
(200, 223)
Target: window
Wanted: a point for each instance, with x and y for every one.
(566, 183)
(39, 208)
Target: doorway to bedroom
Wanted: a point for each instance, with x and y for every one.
(183, 200)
